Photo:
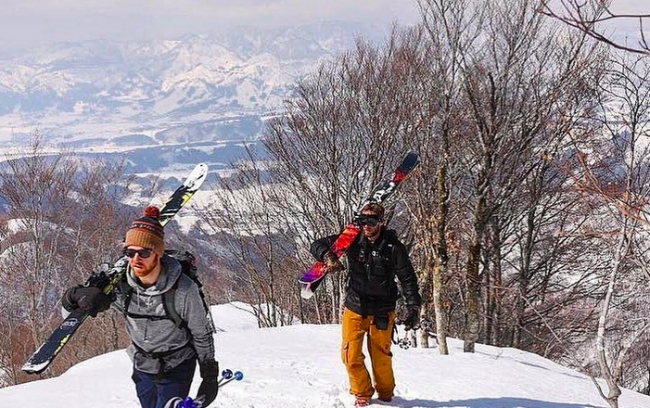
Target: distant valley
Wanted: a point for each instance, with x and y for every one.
(161, 103)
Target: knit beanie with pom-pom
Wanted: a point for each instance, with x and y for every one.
(147, 232)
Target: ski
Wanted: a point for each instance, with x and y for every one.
(312, 279)
(45, 354)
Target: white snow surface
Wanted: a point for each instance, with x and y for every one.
(299, 366)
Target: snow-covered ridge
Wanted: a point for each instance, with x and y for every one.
(300, 366)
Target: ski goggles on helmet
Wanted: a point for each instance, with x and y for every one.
(368, 219)
(143, 253)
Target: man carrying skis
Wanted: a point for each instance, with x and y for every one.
(164, 354)
(374, 259)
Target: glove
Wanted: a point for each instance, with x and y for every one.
(89, 299)
(332, 262)
(412, 319)
(209, 387)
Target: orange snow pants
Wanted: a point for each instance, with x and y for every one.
(355, 328)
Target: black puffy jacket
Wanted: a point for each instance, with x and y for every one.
(372, 267)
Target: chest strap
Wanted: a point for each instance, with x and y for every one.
(160, 356)
(169, 305)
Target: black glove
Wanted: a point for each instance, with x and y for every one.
(332, 262)
(91, 300)
(412, 319)
(209, 387)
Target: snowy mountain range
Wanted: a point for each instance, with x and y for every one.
(102, 94)
(299, 366)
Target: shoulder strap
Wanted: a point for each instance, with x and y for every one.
(169, 303)
(189, 269)
(388, 261)
(127, 291)
(382, 245)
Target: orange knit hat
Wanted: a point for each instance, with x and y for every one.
(147, 232)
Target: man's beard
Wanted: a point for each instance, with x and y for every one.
(143, 271)
(373, 234)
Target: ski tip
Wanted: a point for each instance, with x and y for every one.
(413, 158)
(197, 176)
(30, 368)
(306, 292)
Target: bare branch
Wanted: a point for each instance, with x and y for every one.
(588, 17)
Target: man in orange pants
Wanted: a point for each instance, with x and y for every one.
(374, 259)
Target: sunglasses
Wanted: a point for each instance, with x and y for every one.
(143, 253)
(371, 220)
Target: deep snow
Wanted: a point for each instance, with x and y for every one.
(299, 366)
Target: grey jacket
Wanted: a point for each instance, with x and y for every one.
(159, 341)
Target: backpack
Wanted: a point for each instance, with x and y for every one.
(189, 269)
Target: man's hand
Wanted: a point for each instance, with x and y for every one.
(412, 319)
(89, 299)
(332, 262)
(209, 388)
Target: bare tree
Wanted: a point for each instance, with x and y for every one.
(36, 189)
(344, 130)
(55, 235)
(519, 79)
(615, 170)
(246, 219)
(445, 26)
(590, 16)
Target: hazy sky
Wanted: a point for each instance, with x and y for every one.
(25, 23)
(621, 29)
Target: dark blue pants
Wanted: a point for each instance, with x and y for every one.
(154, 392)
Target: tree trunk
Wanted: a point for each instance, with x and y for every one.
(427, 291)
(473, 281)
(601, 352)
(442, 260)
(486, 298)
(472, 323)
(523, 279)
(440, 311)
(497, 286)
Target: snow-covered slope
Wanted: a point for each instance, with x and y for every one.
(299, 367)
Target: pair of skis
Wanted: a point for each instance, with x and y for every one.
(47, 352)
(312, 279)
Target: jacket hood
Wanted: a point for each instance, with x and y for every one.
(169, 274)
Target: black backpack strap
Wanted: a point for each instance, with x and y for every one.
(169, 303)
(391, 247)
(127, 292)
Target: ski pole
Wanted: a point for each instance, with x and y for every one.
(225, 374)
(237, 376)
(404, 343)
